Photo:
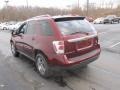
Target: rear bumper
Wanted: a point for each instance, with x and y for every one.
(85, 62)
(79, 61)
(107, 21)
(77, 65)
(83, 57)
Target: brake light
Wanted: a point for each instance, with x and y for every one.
(58, 47)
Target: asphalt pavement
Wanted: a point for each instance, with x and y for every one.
(103, 74)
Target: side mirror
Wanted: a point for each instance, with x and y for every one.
(13, 32)
(22, 32)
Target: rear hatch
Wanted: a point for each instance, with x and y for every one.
(79, 35)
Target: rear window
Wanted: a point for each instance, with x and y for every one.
(75, 26)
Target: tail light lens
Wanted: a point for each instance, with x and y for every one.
(58, 47)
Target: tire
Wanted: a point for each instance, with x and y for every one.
(4, 28)
(13, 50)
(112, 22)
(118, 21)
(42, 66)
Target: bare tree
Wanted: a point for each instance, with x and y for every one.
(23, 13)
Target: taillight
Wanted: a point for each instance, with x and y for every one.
(58, 47)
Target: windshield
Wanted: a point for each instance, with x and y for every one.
(75, 26)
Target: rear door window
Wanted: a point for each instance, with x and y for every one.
(46, 28)
(75, 26)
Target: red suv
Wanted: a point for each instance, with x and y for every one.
(58, 42)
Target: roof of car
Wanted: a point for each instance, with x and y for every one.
(56, 18)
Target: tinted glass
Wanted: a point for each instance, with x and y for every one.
(75, 26)
(31, 27)
(45, 28)
(22, 29)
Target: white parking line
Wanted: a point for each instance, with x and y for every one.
(105, 32)
(102, 33)
(115, 45)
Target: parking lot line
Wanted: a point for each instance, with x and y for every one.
(115, 45)
(102, 33)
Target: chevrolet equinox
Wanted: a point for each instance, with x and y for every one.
(60, 42)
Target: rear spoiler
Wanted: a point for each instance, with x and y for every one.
(68, 18)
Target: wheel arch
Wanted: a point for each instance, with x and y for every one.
(36, 51)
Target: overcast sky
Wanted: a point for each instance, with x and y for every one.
(51, 3)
